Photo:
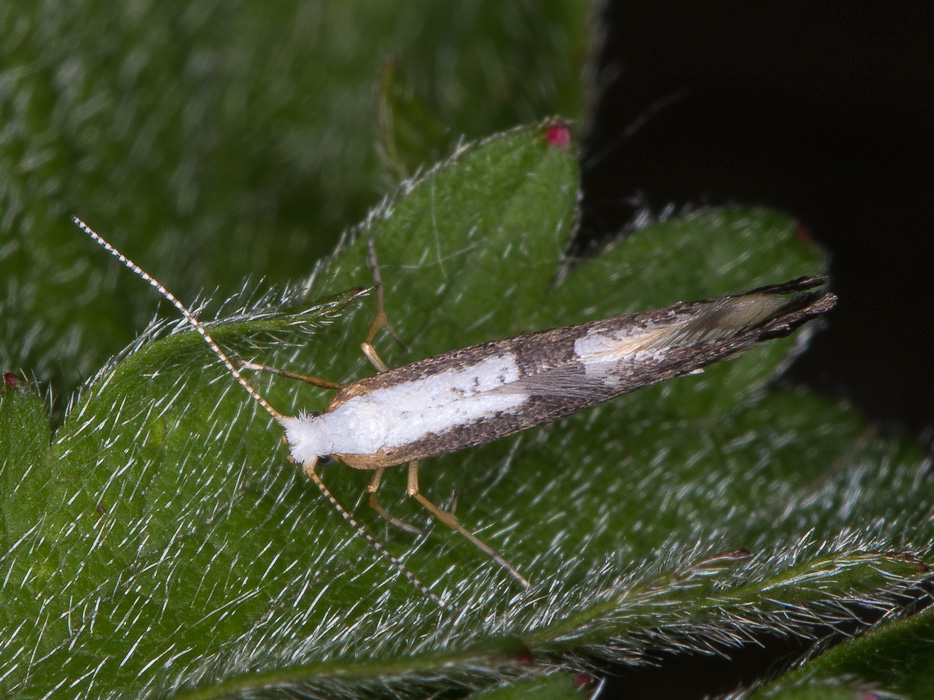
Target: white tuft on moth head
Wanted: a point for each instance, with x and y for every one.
(400, 415)
(308, 436)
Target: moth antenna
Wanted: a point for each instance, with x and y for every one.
(310, 468)
(190, 317)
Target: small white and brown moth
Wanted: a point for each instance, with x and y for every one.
(478, 394)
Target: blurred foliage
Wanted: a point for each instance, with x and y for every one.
(220, 140)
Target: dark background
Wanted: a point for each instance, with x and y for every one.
(823, 110)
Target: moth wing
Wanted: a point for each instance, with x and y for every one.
(681, 340)
(620, 355)
(599, 382)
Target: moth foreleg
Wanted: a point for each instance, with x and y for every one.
(373, 500)
(452, 522)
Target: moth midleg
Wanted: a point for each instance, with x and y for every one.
(452, 522)
(307, 378)
(312, 473)
(374, 503)
(380, 320)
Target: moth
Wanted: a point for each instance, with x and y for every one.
(474, 395)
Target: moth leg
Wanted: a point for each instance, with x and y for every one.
(380, 320)
(373, 500)
(308, 379)
(452, 522)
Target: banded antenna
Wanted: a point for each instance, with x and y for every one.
(309, 468)
(159, 287)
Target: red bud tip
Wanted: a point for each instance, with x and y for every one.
(559, 135)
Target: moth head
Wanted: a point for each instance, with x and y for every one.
(309, 438)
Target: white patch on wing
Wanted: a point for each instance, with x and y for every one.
(399, 415)
(601, 351)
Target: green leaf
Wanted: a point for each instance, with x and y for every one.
(892, 661)
(560, 686)
(192, 561)
(25, 494)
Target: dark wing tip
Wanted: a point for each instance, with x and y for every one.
(801, 284)
(798, 309)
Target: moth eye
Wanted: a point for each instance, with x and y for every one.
(326, 460)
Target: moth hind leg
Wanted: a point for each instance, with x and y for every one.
(374, 503)
(451, 520)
